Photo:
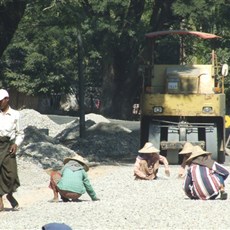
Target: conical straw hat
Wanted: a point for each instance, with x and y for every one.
(79, 159)
(188, 147)
(197, 151)
(149, 148)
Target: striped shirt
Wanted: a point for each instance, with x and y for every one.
(204, 183)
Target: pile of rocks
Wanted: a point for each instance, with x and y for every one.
(47, 143)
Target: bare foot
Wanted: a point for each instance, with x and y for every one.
(54, 200)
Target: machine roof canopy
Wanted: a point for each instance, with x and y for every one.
(181, 32)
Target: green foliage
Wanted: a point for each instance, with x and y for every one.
(196, 12)
(47, 39)
(4, 2)
(205, 15)
(43, 56)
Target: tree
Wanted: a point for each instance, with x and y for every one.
(113, 32)
(42, 59)
(212, 17)
(120, 27)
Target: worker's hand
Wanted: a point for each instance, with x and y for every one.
(13, 149)
(181, 173)
(167, 172)
(95, 199)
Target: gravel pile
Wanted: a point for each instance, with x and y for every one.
(30, 117)
(47, 143)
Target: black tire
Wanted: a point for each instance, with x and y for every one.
(144, 130)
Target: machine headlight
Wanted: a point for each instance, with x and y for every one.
(207, 109)
(158, 109)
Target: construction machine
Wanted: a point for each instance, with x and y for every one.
(182, 101)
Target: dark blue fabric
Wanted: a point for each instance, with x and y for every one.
(221, 171)
(220, 178)
(56, 226)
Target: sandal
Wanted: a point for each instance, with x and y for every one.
(223, 195)
(65, 199)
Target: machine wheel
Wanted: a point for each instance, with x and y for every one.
(164, 137)
(144, 130)
(154, 134)
(221, 157)
(171, 154)
(212, 143)
(221, 142)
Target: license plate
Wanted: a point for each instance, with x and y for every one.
(172, 85)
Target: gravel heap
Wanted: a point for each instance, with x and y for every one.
(47, 143)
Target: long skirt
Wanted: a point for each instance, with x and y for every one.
(9, 180)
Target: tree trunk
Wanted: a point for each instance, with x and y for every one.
(10, 16)
(121, 86)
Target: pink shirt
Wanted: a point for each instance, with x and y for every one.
(137, 170)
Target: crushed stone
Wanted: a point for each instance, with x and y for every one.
(47, 143)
